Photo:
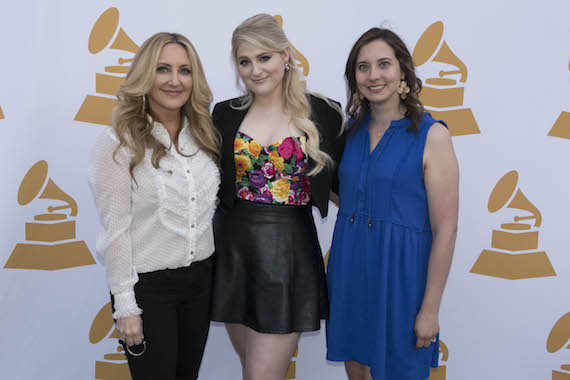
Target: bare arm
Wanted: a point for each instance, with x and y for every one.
(441, 178)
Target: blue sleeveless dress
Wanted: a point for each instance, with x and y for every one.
(378, 262)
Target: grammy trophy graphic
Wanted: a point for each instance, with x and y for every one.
(442, 96)
(561, 127)
(514, 252)
(1, 114)
(51, 242)
(439, 373)
(106, 33)
(558, 339)
(115, 366)
(302, 62)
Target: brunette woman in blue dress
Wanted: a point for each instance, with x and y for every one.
(396, 227)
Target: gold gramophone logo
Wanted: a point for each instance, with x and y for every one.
(302, 62)
(1, 114)
(292, 369)
(561, 127)
(114, 366)
(106, 32)
(442, 96)
(439, 373)
(558, 339)
(51, 242)
(514, 252)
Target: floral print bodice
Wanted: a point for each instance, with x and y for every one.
(275, 174)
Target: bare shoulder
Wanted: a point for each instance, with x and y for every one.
(438, 134)
(439, 146)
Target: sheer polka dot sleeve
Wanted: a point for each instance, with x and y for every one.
(111, 184)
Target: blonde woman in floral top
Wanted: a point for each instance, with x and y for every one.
(280, 149)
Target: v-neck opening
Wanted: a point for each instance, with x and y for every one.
(394, 124)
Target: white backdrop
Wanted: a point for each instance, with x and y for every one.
(516, 81)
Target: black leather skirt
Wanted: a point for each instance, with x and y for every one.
(269, 273)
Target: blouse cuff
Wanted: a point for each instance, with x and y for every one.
(125, 305)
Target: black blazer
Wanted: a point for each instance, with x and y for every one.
(328, 121)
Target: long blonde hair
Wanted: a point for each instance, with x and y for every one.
(130, 117)
(264, 32)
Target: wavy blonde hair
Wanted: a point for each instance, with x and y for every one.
(264, 32)
(130, 117)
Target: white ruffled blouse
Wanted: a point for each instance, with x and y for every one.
(163, 221)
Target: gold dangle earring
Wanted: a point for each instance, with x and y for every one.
(403, 89)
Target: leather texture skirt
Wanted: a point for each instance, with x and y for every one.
(269, 273)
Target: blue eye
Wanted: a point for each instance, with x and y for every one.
(384, 64)
(185, 71)
(362, 67)
(243, 62)
(265, 58)
(162, 69)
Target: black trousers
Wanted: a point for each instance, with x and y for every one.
(175, 304)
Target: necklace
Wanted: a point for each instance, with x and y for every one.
(381, 132)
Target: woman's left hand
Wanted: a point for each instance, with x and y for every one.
(426, 328)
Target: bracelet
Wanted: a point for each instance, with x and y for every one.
(138, 354)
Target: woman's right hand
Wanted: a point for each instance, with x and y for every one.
(130, 330)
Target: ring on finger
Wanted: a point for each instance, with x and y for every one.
(433, 340)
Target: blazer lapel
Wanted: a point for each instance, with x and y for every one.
(234, 120)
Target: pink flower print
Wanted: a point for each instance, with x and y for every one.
(287, 148)
(303, 198)
(265, 190)
(306, 185)
(292, 200)
(245, 193)
(268, 170)
(298, 152)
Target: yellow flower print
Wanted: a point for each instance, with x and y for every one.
(280, 190)
(239, 144)
(254, 148)
(243, 164)
(276, 160)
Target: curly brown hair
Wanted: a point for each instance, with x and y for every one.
(356, 108)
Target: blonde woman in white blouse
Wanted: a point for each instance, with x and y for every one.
(155, 177)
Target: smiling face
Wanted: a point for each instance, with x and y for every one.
(261, 71)
(378, 73)
(172, 84)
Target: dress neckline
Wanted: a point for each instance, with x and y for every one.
(300, 138)
(403, 122)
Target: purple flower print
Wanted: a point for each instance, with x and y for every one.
(300, 167)
(295, 185)
(257, 178)
(264, 198)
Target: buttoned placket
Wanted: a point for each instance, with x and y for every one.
(191, 187)
(184, 147)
